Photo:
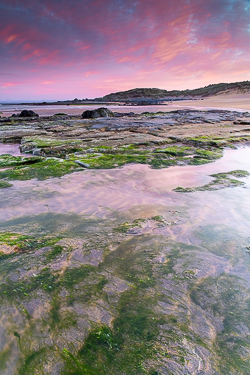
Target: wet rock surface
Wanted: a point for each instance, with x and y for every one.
(86, 300)
(148, 126)
(158, 139)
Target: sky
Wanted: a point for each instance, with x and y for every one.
(66, 49)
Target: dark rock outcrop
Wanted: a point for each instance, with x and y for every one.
(28, 113)
(99, 112)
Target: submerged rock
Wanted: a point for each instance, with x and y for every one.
(99, 112)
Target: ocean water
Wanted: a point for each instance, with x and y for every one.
(49, 110)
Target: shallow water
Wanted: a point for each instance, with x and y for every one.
(96, 191)
(49, 110)
(10, 148)
(200, 253)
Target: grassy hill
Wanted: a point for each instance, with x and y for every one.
(154, 93)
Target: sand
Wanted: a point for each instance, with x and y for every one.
(225, 101)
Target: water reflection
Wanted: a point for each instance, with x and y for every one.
(95, 191)
(10, 148)
(49, 110)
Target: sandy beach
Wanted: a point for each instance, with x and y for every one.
(236, 101)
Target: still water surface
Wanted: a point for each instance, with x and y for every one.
(94, 191)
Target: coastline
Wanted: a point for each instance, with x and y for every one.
(233, 102)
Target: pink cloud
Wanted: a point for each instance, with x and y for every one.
(9, 84)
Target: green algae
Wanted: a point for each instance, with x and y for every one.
(218, 142)
(5, 185)
(199, 161)
(43, 142)
(74, 276)
(131, 341)
(125, 346)
(124, 227)
(135, 327)
(153, 113)
(111, 161)
(51, 146)
(235, 173)
(31, 362)
(48, 224)
(132, 338)
(122, 348)
(45, 280)
(176, 150)
(4, 356)
(159, 162)
(110, 157)
(54, 314)
(221, 181)
(226, 296)
(7, 160)
(54, 253)
(208, 154)
(101, 157)
(204, 141)
(40, 170)
(4, 256)
(23, 243)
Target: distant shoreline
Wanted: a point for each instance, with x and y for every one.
(141, 102)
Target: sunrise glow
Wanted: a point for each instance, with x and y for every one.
(91, 48)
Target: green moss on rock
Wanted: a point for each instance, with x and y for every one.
(7, 160)
(5, 185)
(221, 181)
(40, 170)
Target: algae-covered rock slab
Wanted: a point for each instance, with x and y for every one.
(7, 160)
(148, 305)
(221, 181)
(41, 170)
(5, 185)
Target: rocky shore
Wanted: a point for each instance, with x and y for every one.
(157, 287)
(106, 140)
